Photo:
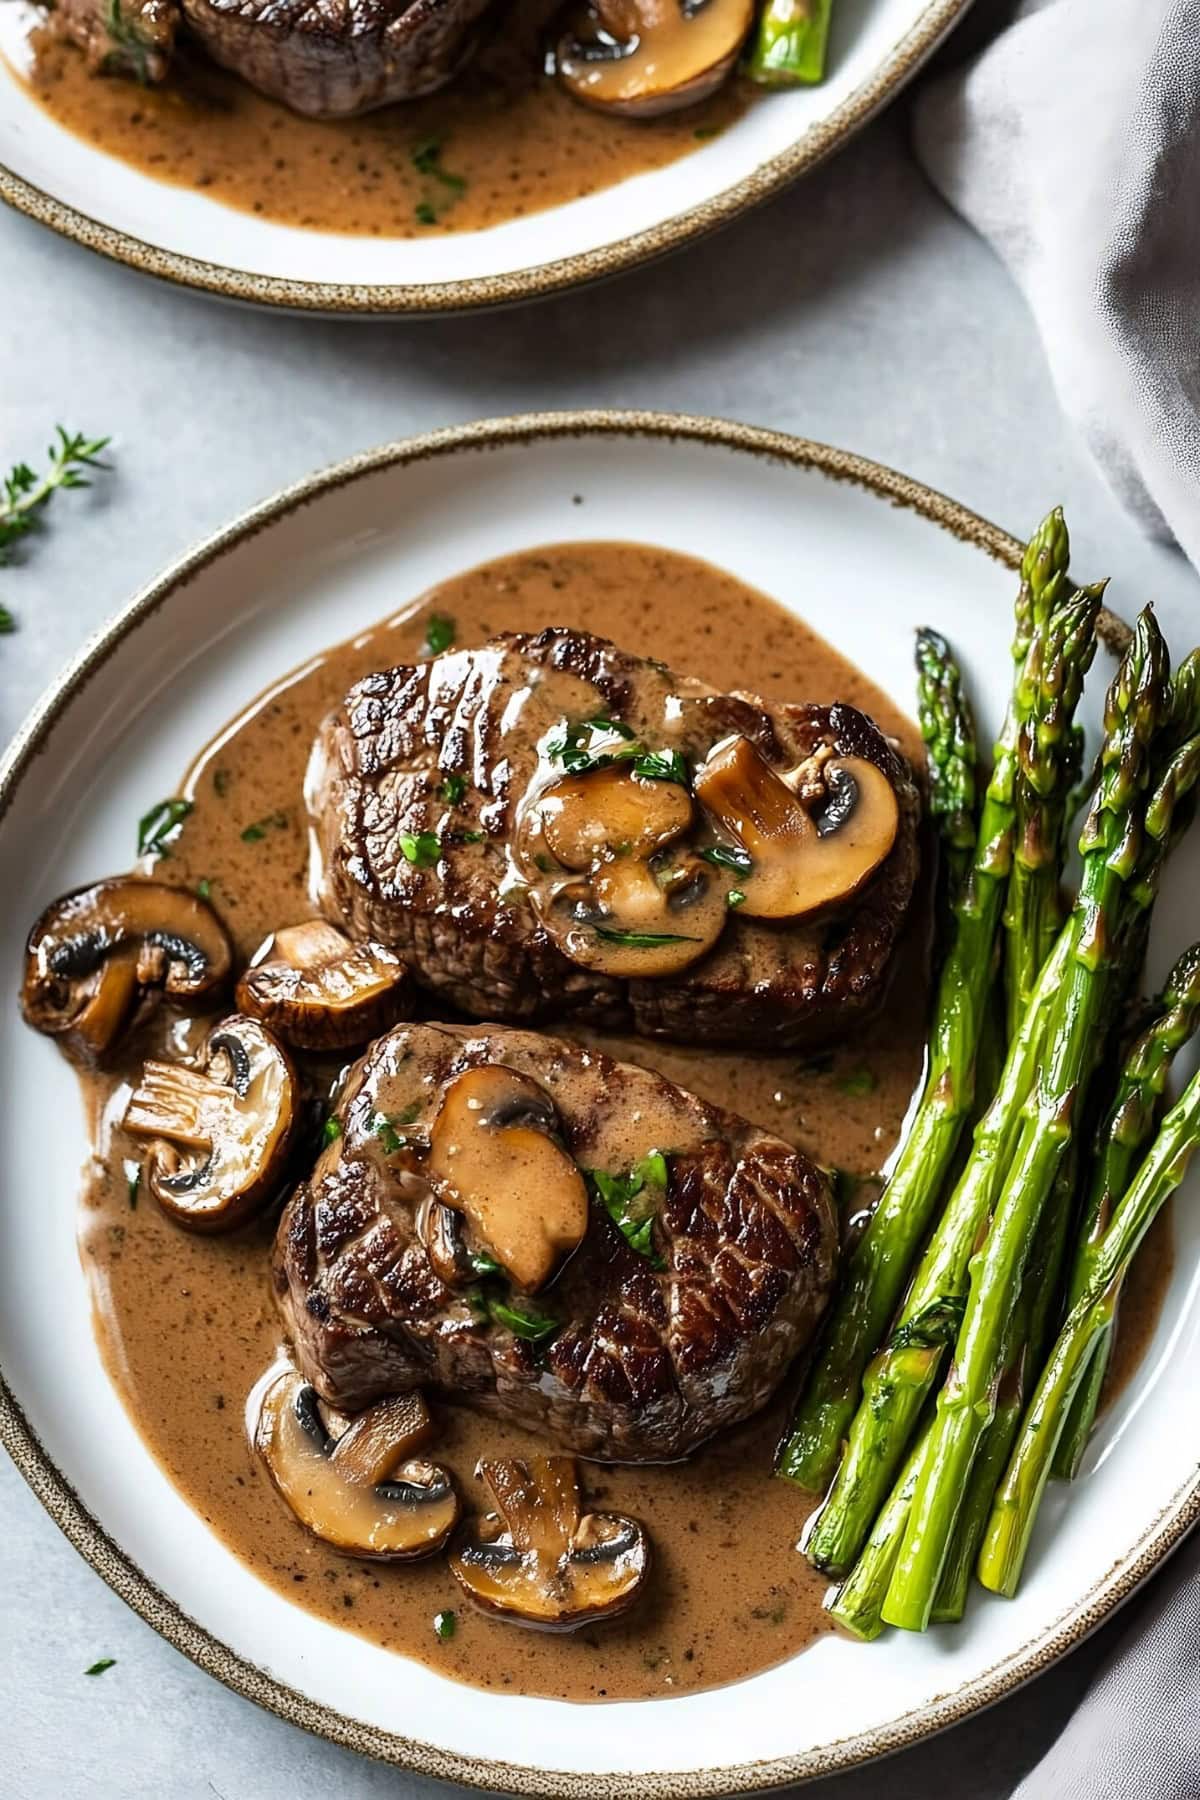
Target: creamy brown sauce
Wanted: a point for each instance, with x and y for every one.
(187, 1325)
(515, 149)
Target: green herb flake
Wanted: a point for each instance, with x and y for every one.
(735, 898)
(388, 1128)
(331, 1131)
(724, 856)
(424, 214)
(576, 748)
(131, 48)
(632, 1201)
(662, 765)
(464, 837)
(522, 1320)
(484, 1265)
(7, 623)
(423, 849)
(160, 825)
(453, 790)
(255, 833)
(204, 888)
(642, 940)
(444, 1626)
(439, 634)
(427, 161)
(98, 1668)
(24, 494)
(221, 780)
(858, 1083)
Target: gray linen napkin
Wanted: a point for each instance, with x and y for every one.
(1073, 145)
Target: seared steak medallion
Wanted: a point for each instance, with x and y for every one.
(547, 826)
(698, 1267)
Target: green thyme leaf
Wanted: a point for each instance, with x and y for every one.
(427, 160)
(422, 849)
(162, 823)
(662, 765)
(98, 1668)
(724, 856)
(254, 834)
(444, 1625)
(331, 1131)
(24, 494)
(439, 634)
(642, 940)
(424, 213)
(453, 789)
(388, 1128)
(484, 1265)
(522, 1320)
(7, 623)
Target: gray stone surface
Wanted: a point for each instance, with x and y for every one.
(853, 309)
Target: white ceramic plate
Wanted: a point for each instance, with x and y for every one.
(318, 564)
(191, 239)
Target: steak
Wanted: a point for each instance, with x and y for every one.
(331, 58)
(651, 1349)
(437, 760)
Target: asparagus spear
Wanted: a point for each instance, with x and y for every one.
(1025, 1350)
(1049, 752)
(1017, 1501)
(857, 1605)
(948, 731)
(1127, 1128)
(1138, 707)
(884, 1254)
(790, 43)
(898, 1380)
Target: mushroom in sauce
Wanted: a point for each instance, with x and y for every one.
(98, 955)
(539, 1559)
(630, 903)
(814, 840)
(365, 1492)
(317, 991)
(496, 1157)
(641, 58)
(220, 1135)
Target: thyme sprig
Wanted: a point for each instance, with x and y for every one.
(25, 493)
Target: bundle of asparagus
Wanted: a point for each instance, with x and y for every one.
(953, 1379)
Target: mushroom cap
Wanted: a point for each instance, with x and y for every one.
(221, 1135)
(364, 1493)
(97, 952)
(318, 991)
(495, 1156)
(643, 58)
(814, 840)
(539, 1560)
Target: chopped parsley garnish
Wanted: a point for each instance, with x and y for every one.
(464, 837)
(662, 765)
(735, 898)
(439, 634)
(858, 1083)
(453, 789)
(162, 823)
(204, 887)
(422, 849)
(724, 856)
(522, 1320)
(387, 1128)
(98, 1668)
(331, 1131)
(424, 213)
(427, 160)
(254, 834)
(642, 940)
(631, 1201)
(575, 746)
(444, 1625)
(484, 1265)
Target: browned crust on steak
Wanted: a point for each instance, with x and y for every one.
(332, 58)
(378, 767)
(649, 1362)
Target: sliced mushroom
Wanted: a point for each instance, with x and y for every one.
(641, 58)
(802, 861)
(495, 1156)
(638, 905)
(221, 1134)
(318, 991)
(364, 1492)
(97, 954)
(539, 1560)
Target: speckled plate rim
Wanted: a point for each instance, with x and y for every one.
(148, 1600)
(532, 283)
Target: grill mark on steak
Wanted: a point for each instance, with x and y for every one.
(648, 1362)
(377, 772)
